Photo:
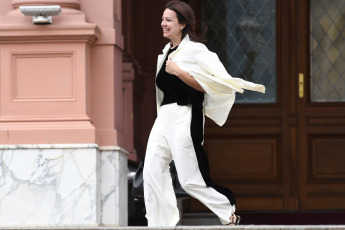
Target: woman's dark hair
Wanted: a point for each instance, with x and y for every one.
(185, 15)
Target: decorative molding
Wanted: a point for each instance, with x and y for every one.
(43, 92)
(50, 146)
(65, 146)
(56, 33)
(71, 12)
(72, 4)
(113, 148)
(326, 158)
(265, 165)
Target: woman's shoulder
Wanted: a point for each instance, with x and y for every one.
(197, 46)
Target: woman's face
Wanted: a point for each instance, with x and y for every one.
(171, 26)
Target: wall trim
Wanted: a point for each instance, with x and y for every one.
(65, 146)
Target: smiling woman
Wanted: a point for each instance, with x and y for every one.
(185, 18)
(191, 83)
(172, 29)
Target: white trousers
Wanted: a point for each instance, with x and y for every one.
(173, 137)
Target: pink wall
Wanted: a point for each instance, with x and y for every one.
(5, 7)
(107, 79)
(64, 80)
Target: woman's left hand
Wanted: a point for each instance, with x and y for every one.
(172, 68)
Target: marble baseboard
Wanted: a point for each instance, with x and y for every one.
(59, 185)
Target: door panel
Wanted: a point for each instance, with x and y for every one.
(327, 163)
(251, 153)
(247, 157)
(287, 153)
(263, 164)
(322, 111)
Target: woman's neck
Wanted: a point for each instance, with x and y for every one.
(175, 43)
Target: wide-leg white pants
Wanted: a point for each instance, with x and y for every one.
(171, 138)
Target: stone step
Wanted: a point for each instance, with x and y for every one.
(270, 218)
(241, 227)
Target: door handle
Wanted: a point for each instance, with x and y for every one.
(301, 85)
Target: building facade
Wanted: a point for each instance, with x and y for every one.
(77, 102)
(64, 144)
(278, 151)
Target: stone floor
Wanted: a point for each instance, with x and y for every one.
(250, 221)
(270, 218)
(243, 227)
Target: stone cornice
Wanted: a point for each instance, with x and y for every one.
(83, 32)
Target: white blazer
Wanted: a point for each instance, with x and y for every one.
(209, 72)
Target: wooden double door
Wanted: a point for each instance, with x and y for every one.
(290, 154)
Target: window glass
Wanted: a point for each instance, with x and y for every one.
(243, 34)
(327, 50)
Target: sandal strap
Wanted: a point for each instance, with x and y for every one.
(237, 222)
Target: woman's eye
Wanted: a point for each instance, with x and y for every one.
(168, 20)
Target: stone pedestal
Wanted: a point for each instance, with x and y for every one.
(114, 186)
(58, 185)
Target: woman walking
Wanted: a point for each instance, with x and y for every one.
(191, 83)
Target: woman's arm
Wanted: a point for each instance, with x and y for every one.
(173, 68)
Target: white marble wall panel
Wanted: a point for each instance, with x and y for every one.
(49, 185)
(114, 186)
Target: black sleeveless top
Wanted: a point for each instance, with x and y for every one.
(175, 90)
